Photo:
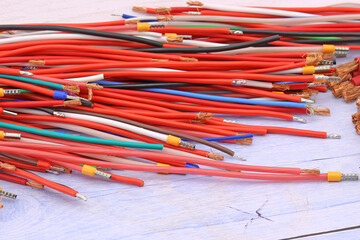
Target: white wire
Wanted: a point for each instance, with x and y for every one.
(100, 134)
(252, 83)
(257, 10)
(193, 23)
(288, 71)
(274, 21)
(50, 37)
(271, 50)
(149, 34)
(121, 125)
(21, 33)
(189, 42)
(88, 79)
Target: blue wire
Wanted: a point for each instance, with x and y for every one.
(217, 98)
(288, 82)
(227, 99)
(127, 16)
(227, 138)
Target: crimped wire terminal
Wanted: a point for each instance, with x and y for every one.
(103, 174)
(187, 144)
(349, 177)
(320, 69)
(7, 194)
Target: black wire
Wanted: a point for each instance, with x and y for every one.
(328, 41)
(82, 31)
(306, 34)
(47, 110)
(149, 85)
(211, 49)
(156, 129)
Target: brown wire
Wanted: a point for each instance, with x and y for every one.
(157, 129)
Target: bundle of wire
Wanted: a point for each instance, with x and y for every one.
(140, 93)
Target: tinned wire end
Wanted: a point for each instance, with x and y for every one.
(306, 100)
(12, 136)
(314, 84)
(58, 114)
(236, 32)
(299, 119)
(52, 171)
(349, 177)
(8, 194)
(82, 197)
(187, 144)
(9, 112)
(26, 73)
(333, 135)
(238, 82)
(239, 157)
(229, 121)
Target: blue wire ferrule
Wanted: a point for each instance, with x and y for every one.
(61, 95)
(191, 165)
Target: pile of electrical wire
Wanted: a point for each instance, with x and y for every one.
(140, 93)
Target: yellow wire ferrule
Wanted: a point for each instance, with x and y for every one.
(162, 165)
(170, 35)
(2, 136)
(334, 176)
(175, 141)
(1, 92)
(308, 70)
(143, 26)
(328, 48)
(88, 170)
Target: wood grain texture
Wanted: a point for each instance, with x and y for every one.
(195, 207)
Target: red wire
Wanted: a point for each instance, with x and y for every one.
(12, 178)
(28, 149)
(220, 78)
(242, 57)
(221, 173)
(114, 177)
(88, 49)
(51, 103)
(27, 86)
(23, 165)
(43, 181)
(244, 112)
(208, 65)
(144, 96)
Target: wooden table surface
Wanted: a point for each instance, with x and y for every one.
(196, 207)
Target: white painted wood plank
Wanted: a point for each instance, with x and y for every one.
(194, 207)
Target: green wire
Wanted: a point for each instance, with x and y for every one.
(33, 81)
(319, 37)
(25, 91)
(80, 138)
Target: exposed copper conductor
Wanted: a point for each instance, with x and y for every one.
(244, 141)
(314, 171)
(215, 156)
